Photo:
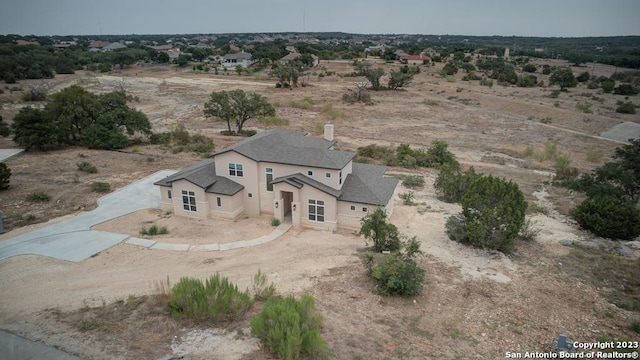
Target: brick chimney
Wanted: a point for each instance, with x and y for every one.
(328, 132)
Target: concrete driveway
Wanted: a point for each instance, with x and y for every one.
(72, 239)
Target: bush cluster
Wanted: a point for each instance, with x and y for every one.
(613, 193)
(179, 140)
(437, 155)
(290, 328)
(216, 299)
(395, 273)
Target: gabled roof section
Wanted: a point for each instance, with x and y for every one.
(298, 180)
(293, 148)
(367, 185)
(203, 175)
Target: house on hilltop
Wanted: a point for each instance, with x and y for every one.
(285, 174)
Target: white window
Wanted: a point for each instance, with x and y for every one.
(316, 210)
(340, 182)
(310, 173)
(364, 209)
(269, 175)
(235, 170)
(327, 175)
(353, 208)
(189, 200)
(169, 194)
(218, 201)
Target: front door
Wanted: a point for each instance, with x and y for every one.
(287, 198)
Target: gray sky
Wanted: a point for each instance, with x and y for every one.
(566, 18)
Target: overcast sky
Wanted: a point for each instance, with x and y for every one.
(562, 18)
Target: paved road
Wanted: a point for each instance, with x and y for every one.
(16, 347)
(72, 240)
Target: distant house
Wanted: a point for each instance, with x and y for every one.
(26, 42)
(287, 59)
(240, 58)
(114, 46)
(414, 59)
(285, 174)
(400, 53)
(97, 44)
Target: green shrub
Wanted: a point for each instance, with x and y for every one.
(87, 167)
(4, 128)
(262, 290)
(5, 174)
(554, 94)
(635, 327)
(290, 328)
(439, 155)
(494, 211)
(529, 230)
(431, 102)
(385, 154)
(413, 181)
(451, 184)
(549, 152)
(584, 107)
(217, 299)
(625, 89)
(306, 103)
(154, 230)
(529, 151)
(608, 217)
(407, 198)
(100, 187)
(38, 196)
(456, 228)
(275, 222)
(397, 276)
(626, 108)
(563, 170)
(376, 229)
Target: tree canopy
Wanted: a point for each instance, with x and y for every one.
(564, 77)
(238, 107)
(76, 116)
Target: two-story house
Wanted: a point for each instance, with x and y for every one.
(285, 174)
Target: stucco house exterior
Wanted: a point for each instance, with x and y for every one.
(286, 174)
(240, 58)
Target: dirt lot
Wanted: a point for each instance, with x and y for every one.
(475, 304)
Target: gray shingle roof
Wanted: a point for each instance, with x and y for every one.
(293, 148)
(297, 181)
(203, 175)
(367, 185)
